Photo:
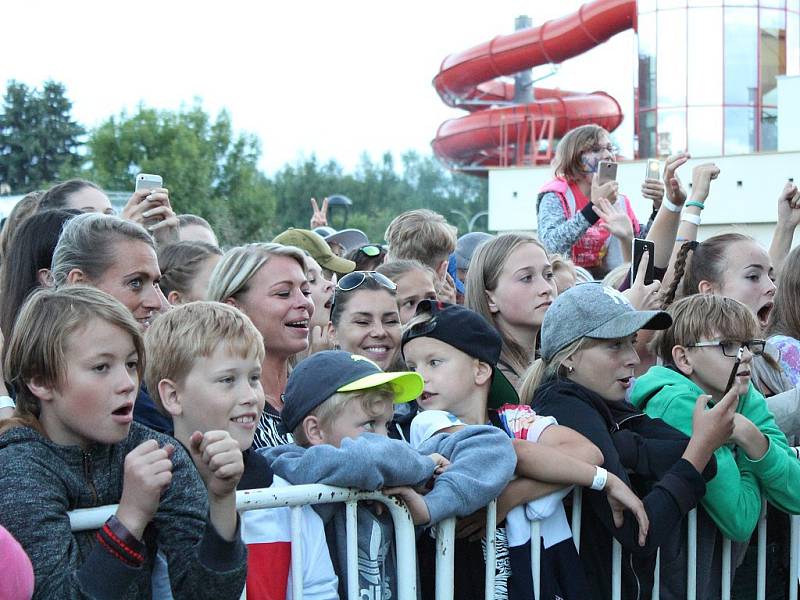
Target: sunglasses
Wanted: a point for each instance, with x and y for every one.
(356, 279)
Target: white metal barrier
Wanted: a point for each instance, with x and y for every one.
(295, 497)
(445, 539)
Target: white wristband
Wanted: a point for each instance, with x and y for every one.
(670, 206)
(694, 219)
(7, 402)
(600, 478)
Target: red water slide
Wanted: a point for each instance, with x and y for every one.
(499, 135)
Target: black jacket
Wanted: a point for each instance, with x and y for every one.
(646, 454)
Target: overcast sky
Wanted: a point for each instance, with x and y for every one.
(325, 77)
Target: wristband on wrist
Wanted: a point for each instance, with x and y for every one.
(600, 479)
(115, 538)
(670, 206)
(699, 205)
(7, 402)
(693, 219)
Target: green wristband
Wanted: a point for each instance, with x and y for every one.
(699, 205)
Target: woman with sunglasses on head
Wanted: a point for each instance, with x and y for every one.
(368, 257)
(709, 350)
(268, 283)
(365, 319)
(579, 218)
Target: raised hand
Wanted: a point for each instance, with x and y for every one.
(148, 473)
(676, 193)
(608, 190)
(617, 223)
(319, 340)
(319, 216)
(152, 210)
(702, 175)
(641, 296)
(710, 427)
(789, 206)
(654, 189)
(621, 498)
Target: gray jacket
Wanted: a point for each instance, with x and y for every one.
(41, 481)
(482, 462)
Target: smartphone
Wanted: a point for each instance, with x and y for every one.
(653, 169)
(146, 181)
(638, 249)
(606, 171)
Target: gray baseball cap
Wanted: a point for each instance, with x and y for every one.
(466, 246)
(595, 311)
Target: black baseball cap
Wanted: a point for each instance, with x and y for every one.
(323, 374)
(466, 330)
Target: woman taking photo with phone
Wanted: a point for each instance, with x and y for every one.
(580, 215)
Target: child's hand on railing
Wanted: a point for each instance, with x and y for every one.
(414, 503)
(621, 498)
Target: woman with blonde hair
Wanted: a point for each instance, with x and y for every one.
(510, 282)
(277, 298)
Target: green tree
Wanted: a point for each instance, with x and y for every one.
(38, 137)
(208, 169)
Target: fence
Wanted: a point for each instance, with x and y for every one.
(295, 497)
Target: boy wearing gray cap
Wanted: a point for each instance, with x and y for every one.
(588, 359)
(338, 406)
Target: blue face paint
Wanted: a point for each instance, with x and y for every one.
(590, 163)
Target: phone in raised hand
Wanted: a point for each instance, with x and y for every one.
(653, 169)
(146, 181)
(638, 249)
(606, 171)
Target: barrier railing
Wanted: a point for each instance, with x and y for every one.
(295, 497)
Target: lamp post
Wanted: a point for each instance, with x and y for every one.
(339, 203)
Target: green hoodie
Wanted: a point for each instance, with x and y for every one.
(733, 497)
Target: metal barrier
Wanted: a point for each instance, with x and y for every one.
(295, 497)
(445, 540)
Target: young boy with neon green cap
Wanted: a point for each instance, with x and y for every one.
(338, 405)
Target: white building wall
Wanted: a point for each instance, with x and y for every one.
(744, 197)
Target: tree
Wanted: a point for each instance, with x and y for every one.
(208, 170)
(38, 137)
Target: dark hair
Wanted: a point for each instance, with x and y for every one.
(365, 262)
(32, 250)
(342, 297)
(56, 196)
(707, 263)
(785, 316)
(27, 206)
(180, 262)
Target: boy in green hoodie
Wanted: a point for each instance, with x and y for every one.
(699, 352)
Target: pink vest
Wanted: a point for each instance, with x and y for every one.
(591, 248)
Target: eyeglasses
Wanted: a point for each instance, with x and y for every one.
(597, 149)
(731, 348)
(371, 250)
(357, 278)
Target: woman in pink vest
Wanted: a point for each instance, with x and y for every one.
(591, 223)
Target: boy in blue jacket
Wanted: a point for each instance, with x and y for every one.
(338, 405)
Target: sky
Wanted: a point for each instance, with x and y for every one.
(331, 78)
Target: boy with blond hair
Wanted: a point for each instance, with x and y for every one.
(204, 370)
(338, 406)
(422, 235)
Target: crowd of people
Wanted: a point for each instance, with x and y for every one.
(146, 367)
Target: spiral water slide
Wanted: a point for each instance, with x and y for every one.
(496, 128)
